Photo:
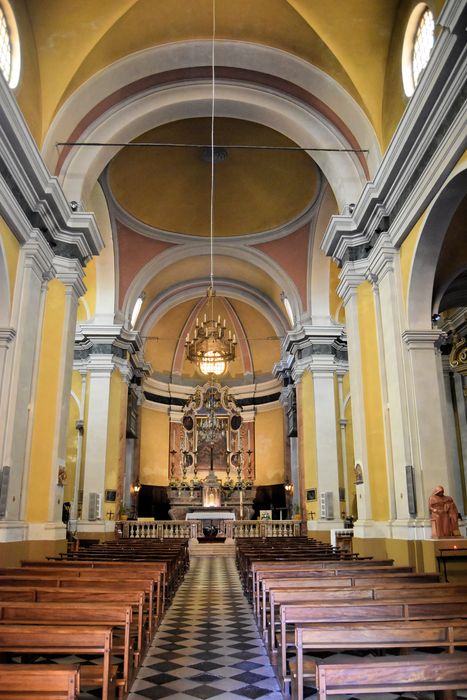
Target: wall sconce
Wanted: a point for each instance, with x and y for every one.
(137, 486)
(288, 487)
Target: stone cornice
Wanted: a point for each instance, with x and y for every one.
(428, 141)
(352, 276)
(70, 272)
(381, 258)
(6, 336)
(422, 339)
(38, 255)
(31, 197)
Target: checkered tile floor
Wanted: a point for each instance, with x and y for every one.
(207, 645)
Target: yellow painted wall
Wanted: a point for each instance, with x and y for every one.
(28, 92)
(269, 447)
(407, 250)
(310, 458)
(154, 448)
(340, 459)
(71, 450)
(11, 248)
(373, 405)
(116, 429)
(334, 300)
(350, 460)
(45, 408)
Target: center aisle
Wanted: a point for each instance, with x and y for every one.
(207, 645)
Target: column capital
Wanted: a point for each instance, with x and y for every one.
(6, 336)
(422, 339)
(70, 272)
(351, 277)
(381, 260)
(101, 365)
(38, 255)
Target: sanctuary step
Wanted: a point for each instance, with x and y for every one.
(211, 549)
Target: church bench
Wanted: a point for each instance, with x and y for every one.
(405, 635)
(259, 566)
(93, 583)
(118, 616)
(364, 611)
(54, 640)
(408, 674)
(136, 599)
(350, 577)
(280, 596)
(160, 571)
(44, 682)
(348, 586)
(129, 570)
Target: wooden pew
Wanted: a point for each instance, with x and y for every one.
(51, 640)
(364, 611)
(156, 571)
(44, 681)
(96, 581)
(354, 579)
(386, 590)
(117, 616)
(412, 673)
(85, 595)
(350, 637)
(258, 567)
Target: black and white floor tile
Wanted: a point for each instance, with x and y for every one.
(207, 645)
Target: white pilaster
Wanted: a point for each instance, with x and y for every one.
(352, 276)
(79, 447)
(7, 336)
(430, 453)
(384, 267)
(343, 431)
(100, 371)
(326, 436)
(34, 272)
(70, 273)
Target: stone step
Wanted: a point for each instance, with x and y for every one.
(212, 549)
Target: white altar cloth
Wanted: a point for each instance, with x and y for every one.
(214, 515)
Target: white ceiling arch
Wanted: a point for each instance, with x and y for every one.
(299, 122)
(229, 54)
(231, 289)
(233, 249)
(156, 106)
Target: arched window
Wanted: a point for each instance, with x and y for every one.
(418, 44)
(9, 45)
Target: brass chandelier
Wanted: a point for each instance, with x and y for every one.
(209, 349)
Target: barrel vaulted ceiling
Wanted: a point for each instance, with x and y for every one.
(289, 73)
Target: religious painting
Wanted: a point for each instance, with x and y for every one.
(265, 514)
(219, 449)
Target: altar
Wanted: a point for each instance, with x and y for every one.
(210, 514)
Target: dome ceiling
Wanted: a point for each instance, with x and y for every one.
(255, 190)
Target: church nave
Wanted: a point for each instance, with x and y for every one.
(207, 645)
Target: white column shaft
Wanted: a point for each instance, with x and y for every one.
(358, 404)
(96, 428)
(326, 435)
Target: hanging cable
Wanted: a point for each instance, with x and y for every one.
(213, 97)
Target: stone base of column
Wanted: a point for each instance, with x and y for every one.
(46, 531)
(13, 531)
(415, 530)
(95, 526)
(320, 525)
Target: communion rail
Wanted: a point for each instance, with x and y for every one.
(172, 529)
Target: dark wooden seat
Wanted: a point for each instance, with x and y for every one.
(117, 615)
(54, 640)
(350, 637)
(365, 611)
(412, 673)
(44, 681)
